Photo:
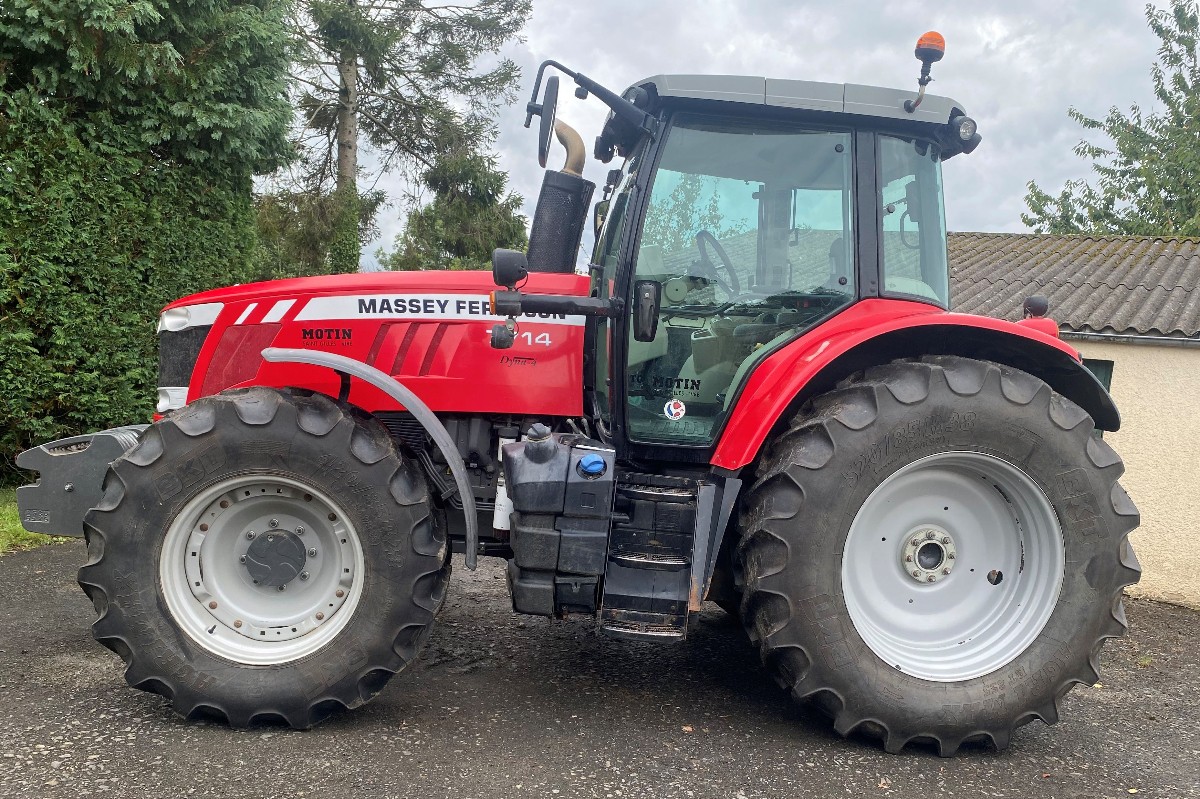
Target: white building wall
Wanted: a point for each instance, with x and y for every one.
(1157, 390)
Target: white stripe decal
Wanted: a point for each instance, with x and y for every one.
(278, 310)
(246, 313)
(473, 307)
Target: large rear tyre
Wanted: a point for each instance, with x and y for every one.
(261, 556)
(935, 551)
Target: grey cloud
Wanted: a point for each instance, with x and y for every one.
(1016, 67)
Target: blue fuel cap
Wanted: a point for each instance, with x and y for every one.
(592, 465)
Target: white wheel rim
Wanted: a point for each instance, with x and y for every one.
(986, 580)
(205, 569)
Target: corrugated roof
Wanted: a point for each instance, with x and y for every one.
(1130, 285)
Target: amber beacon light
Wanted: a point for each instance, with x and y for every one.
(930, 48)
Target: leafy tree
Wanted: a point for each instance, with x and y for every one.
(1148, 178)
(471, 214)
(129, 132)
(296, 230)
(401, 75)
(196, 81)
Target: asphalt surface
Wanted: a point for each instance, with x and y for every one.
(508, 706)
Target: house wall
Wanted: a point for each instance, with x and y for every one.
(1157, 390)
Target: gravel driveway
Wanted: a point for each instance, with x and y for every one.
(506, 706)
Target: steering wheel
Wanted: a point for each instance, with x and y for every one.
(706, 241)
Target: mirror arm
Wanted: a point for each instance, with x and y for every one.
(619, 105)
(514, 303)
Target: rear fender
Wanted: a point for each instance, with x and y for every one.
(815, 363)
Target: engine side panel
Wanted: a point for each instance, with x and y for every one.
(431, 331)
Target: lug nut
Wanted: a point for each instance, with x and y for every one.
(282, 587)
(242, 559)
(212, 605)
(930, 535)
(339, 593)
(951, 555)
(273, 523)
(238, 623)
(945, 571)
(946, 540)
(908, 558)
(915, 543)
(930, 579)
(320, 616)
(224, 504)
(69, 487)
(303, 575)
(250, 535)
(299, 530)
(204, 528)
(916, 573)
(312, 553)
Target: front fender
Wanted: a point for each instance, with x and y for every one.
(874, 332)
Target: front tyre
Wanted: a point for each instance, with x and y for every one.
(935, 551)
(264, 555)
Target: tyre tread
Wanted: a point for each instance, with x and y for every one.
(762, 554)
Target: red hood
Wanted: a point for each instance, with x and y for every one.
(297, 287)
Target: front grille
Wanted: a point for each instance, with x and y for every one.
(177, 354)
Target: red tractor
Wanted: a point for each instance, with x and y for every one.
(754, 394)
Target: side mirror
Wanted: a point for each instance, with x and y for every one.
(546, 110)
(647, 294)
(599, 214)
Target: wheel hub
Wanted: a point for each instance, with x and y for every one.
(952, 566)
(928, 555)
(276, 558)
(261, 569)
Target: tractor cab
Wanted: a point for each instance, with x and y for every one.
(746, 212)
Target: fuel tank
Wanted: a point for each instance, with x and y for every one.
(430, 330)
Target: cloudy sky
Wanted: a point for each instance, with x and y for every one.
(1015, 67)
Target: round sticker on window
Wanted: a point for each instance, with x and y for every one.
(674, 410)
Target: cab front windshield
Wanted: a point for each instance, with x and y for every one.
(748, 233)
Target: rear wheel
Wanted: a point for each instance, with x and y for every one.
(935, 551)
(261, 555)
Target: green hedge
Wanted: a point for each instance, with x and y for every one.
(94, 241)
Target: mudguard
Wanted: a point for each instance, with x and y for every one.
(875, 332)
(420, 411)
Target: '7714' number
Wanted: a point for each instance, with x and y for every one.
(531, 339)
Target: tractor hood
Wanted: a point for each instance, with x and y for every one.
(429, 330)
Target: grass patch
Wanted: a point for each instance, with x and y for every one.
(12, 535)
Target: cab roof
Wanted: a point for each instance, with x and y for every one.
(807, 95)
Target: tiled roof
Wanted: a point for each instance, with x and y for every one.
(1131, 285)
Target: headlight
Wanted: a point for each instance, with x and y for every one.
(185, 316)
(964, 128)
(171, 398)
(174, 319)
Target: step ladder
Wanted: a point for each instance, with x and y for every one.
(648, 572)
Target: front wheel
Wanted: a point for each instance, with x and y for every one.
(264, 555)
(935, 551)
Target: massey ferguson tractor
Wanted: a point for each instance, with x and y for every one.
(754, 393)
